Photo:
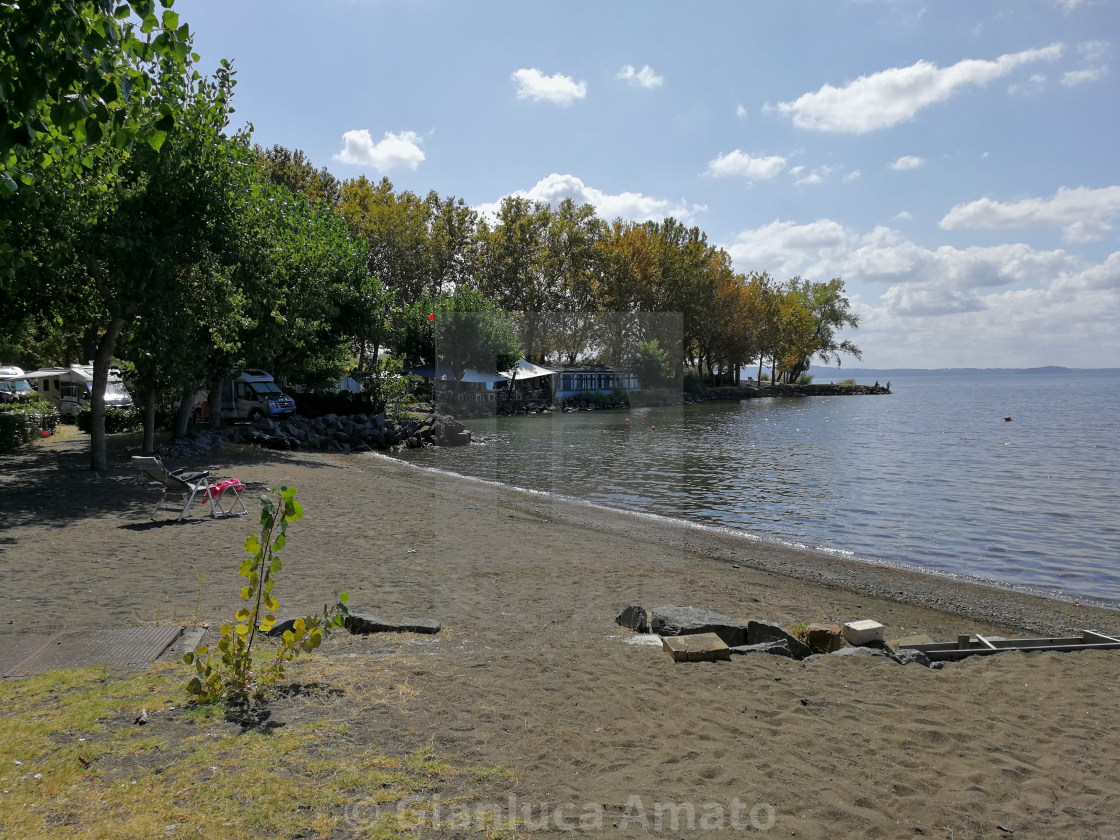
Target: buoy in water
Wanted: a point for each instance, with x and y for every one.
(653, 428)
(1006, 419)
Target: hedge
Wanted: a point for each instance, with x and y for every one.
(116, 420)
(22, 423)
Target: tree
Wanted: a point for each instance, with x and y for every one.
(293, 170)
(80, 77)
(829, 311)
(470, 332)
(651, 364)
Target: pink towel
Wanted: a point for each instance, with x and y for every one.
(216, 489)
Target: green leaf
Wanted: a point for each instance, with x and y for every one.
(279, 543)
(274, 566)
(242, 614)
(188, 657)
(194, 686)
(271, 603)
(344, 597)
(252, 545)
(244, 593)
(170, 20)
(156, 138)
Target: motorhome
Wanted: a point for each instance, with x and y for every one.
(252, 395)
(71, 388)
(14, 385)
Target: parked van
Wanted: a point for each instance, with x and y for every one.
(71, 388)
(252, 395)
(14, 385)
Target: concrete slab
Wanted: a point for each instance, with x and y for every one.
(124, 648)
(696, 647)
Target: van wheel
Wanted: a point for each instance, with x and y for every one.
(256, 415)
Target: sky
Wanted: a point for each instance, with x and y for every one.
(955, 162)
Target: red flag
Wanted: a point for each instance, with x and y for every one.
(431, 317)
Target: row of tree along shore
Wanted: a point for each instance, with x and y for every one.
(138, 228)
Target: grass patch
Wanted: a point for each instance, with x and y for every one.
(74, 762)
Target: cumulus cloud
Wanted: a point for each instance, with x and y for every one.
(1008, 304)
(393, 151)
(908, 162)
(740, 112)
(645, 77)
(1082, 213)
(559, 89)
(739, 164)
(854, 175)
(627, 205)
(896, 95)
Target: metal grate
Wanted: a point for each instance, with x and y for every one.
(127, 648)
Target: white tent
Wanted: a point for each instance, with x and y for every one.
(525, 370)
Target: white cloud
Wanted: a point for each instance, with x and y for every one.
(645, 77)
(1082, 213)
(740, 112)
(627, 205)
(908, 162)
(1069, 5)
(1080, 77)
(854, 175)
(739, 164)
(904, 216)
(1003, 305)
(559, 89)
(896, 95)
(393, 151)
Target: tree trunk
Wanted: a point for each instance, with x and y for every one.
(149, 445)
(98, 458)
(183, 414)
(215, 399)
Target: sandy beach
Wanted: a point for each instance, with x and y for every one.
(531, 672)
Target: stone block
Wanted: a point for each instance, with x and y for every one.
(864, 631)
(773, 648)
(696, 647)
(826, 638)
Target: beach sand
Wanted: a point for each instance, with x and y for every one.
(531, 672)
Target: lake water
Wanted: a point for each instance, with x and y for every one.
(931, 476)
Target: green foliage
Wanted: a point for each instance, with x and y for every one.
(116, 420)
(228, 674)
(805, 379)
(23, 422)
(801, 631)
(651, 364)
(846, 382)
(764, 377)
(387, 385)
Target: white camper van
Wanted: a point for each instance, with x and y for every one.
(71, 388)
(14, 385)
(252, 395)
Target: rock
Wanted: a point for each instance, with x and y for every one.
(365, 624)
(759, 632)
(825, 638)
(635, 617)
(779, 648)
(910, 657)
(670, 620)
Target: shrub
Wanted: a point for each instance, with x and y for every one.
(22, 422)
(116, 420)
(228, 673)
(805, 379)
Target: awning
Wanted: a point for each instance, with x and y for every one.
(526, 370)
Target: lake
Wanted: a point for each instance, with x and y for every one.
(930, 477)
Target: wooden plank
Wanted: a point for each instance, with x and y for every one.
(984, 642)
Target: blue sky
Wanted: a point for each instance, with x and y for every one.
(954, 161)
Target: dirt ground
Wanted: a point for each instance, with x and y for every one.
(604, 736)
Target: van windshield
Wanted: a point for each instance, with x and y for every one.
(115, 389)
(267, 389)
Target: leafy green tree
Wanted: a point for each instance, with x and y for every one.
(293, 169)
(651, 364)
(80, 77)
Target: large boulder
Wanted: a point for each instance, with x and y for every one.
(671, 620)
(760, 632)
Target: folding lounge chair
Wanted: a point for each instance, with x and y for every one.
(189, 487)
